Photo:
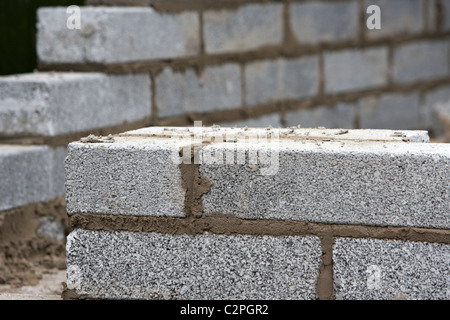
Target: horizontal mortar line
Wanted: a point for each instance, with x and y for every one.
(270, 52)
(229, 225)
(65, 139)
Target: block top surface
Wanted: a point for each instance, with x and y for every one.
(49, 77)
(285, 134)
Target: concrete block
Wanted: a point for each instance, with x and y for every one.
(390, 269)
(342, 115)
(351, 70)
(217, 88)
(314, 22)
(441, 115)
(390, 111)
(126, 265)
(126, 177)
(26, 175)
(329, 180)
(51, 104)
(281, 79)
(272, 119)
(446, 10)
(246, 28)
(397, 18)
(116, 34)
(333, 176)
(431, 100)
(432, 15)
(424, 60)
(58, 172)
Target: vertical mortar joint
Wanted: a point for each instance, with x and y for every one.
(194, 185)
(325, 289)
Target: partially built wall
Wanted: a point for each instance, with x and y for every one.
(254, 63)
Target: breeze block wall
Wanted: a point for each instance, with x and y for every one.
(228, 213)
(255, 63)
(279, 63)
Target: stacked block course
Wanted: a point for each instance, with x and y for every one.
(259, 214)
(255, 63)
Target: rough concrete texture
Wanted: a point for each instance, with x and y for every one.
(116, 34)
(341, 115)
(50, 104)
(398, 17)
(391, 111)
(246, 28)
(423, 60)
(390, 269)
(329, 181)
(216, 88)
(348, 70)
(126, 177)
(28, 174)
(314, 22)
(336, 176)
(128, 265)
(281, 79)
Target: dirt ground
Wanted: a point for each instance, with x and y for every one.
(48, 288)
(32, 251)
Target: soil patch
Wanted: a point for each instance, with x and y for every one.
(32, 239)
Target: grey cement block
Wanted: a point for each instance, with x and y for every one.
(441, 119)
(217, 88)
(51, 104)
(390, 269)
(116, 34)
(352, 70)
(126, 177)
(26, 175)
(431, 13)
(330, 181)
(334, 176)
(431, 100)
(397, 17)
(281, 79)
(125, 265)
(58, 171)
(246, 28)
(425, 60)
(390, 111)
(272, 119)
(342, 115)
(446, 10)
(314, 22)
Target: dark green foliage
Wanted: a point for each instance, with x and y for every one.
(18, 33)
